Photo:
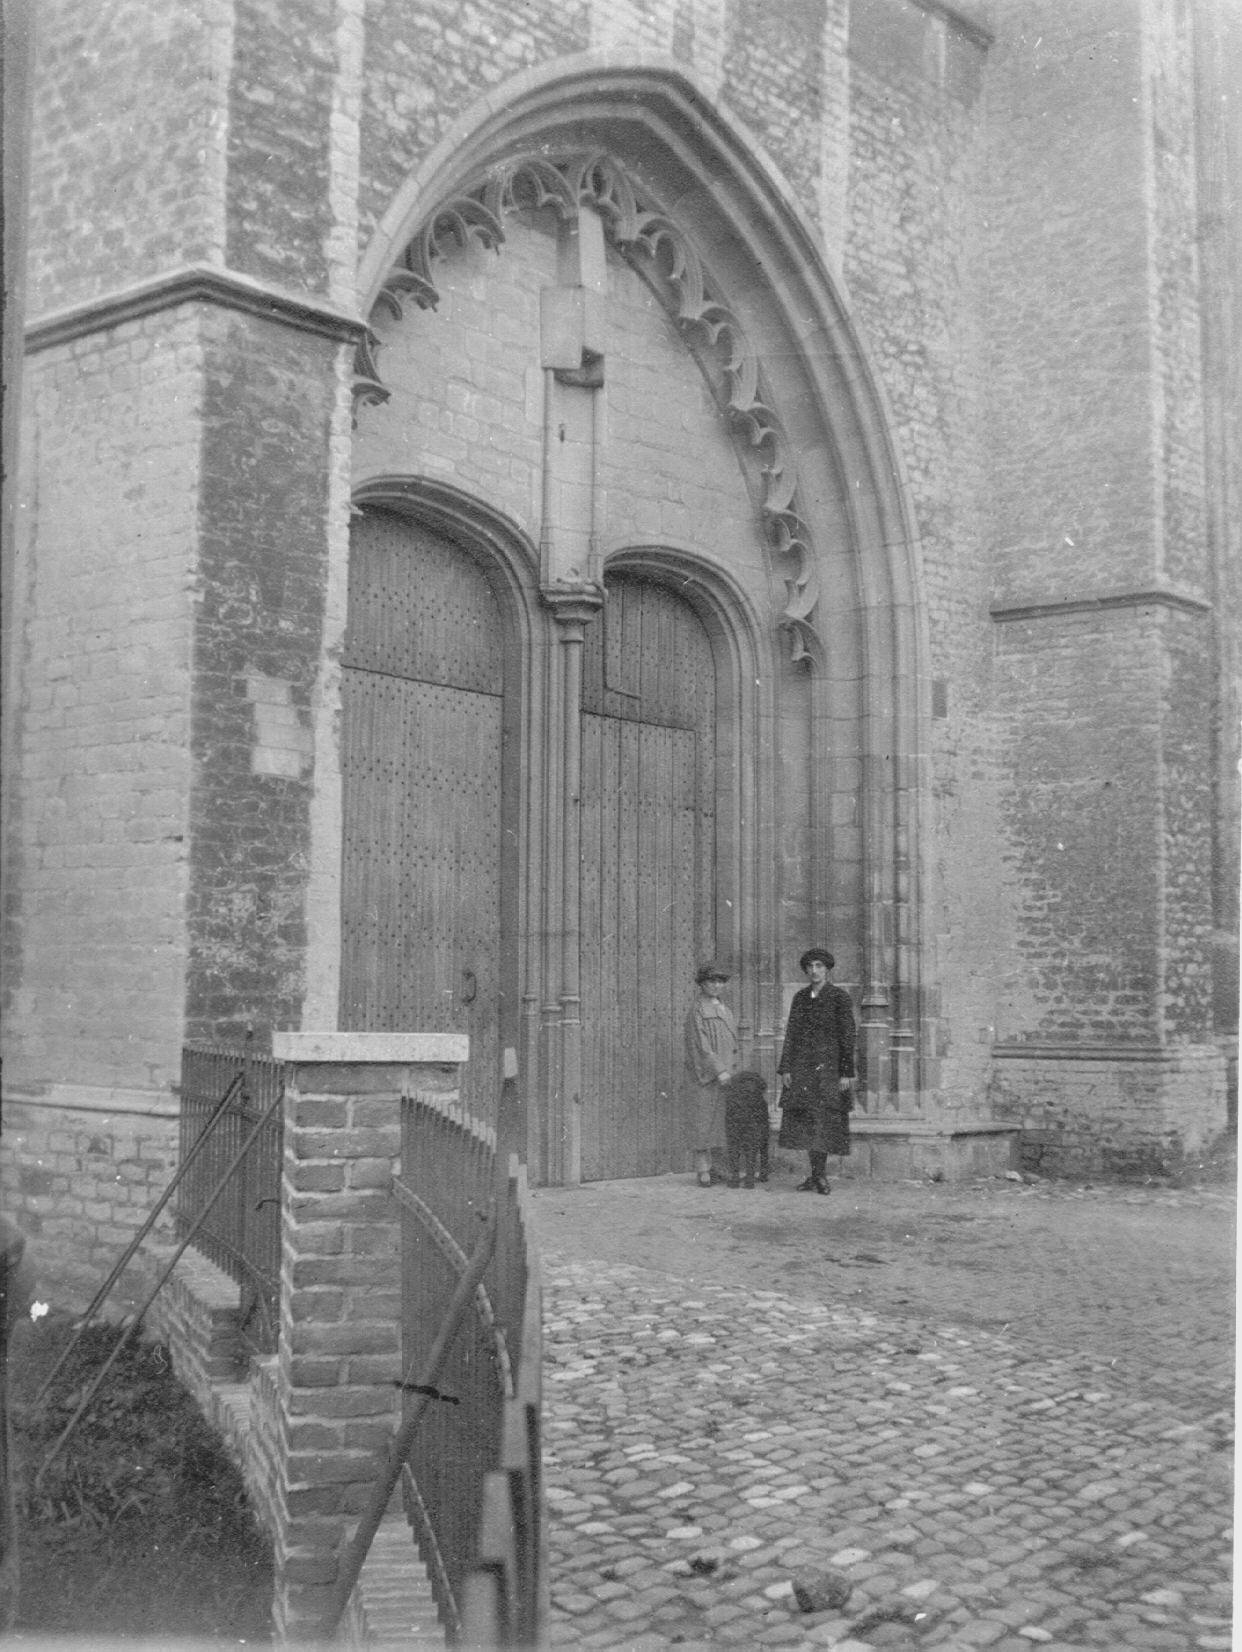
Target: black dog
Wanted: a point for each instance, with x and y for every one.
(746, 1127)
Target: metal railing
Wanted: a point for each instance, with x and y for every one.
(240, 1233)
(472, 1478)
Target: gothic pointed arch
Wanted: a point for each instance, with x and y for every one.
(690, 201)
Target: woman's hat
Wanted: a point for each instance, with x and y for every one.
(825, 958)
(710, 972)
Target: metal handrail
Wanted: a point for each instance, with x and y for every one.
(403, 1440)
(101, 1295)
(243, 1237)
(136, 1321)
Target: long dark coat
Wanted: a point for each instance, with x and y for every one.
(818, 1053)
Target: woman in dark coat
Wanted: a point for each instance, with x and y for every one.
(817, 1069)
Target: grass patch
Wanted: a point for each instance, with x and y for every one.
(141, 1526)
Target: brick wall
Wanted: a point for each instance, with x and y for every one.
(427, 64)
(81, 1184)
(127, 145)
(911, 262)
(1114, 1117)
(772, 81)
(1173, 211)
(99, 773)
(1105, 742)
(280, 93)
(268, 399)
(1070, 457)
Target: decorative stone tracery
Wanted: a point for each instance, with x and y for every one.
(658, 250)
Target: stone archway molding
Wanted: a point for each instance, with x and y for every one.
(716, 194)
(654, 244)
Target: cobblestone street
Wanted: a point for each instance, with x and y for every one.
(995, 1415)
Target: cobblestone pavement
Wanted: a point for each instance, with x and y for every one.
(999, 1415)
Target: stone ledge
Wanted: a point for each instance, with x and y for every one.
(413, 1049)
(194, 284)
(864, 1124)
(95, 1098)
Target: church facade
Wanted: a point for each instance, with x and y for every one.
(516, 500)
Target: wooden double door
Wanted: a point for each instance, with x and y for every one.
(432, 734)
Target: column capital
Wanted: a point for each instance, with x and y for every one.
(573, 606)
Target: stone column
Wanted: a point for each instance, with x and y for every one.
(571, 353)
(339, 1360)
(573, 610)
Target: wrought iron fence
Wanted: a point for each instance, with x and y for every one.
(472, 1484)
(241, 1231)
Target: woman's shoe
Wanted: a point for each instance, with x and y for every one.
(705, 1178)
(808, 1186)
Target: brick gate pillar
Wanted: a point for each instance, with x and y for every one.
(339, 1360)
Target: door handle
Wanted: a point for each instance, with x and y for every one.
(469, 986)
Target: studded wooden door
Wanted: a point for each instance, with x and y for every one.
(423, 727)
(648, 871)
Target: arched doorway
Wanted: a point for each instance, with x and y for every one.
(682, 366)
(422, 740)
(648, 845)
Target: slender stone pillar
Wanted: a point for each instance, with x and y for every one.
(339, 1360)
(571, 352)
(573, 610)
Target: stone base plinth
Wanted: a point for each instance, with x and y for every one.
(897, 1149)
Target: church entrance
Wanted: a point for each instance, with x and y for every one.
(648, 870)
(423, 707)
(430, 843)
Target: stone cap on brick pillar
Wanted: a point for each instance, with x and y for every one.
(431, 1049)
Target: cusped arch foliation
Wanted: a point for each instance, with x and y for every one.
(658, 249)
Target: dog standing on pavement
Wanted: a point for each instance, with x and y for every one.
(746, 1128)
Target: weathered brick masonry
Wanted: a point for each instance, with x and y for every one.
(1018, 828)
(267, 403)
(113, 430)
